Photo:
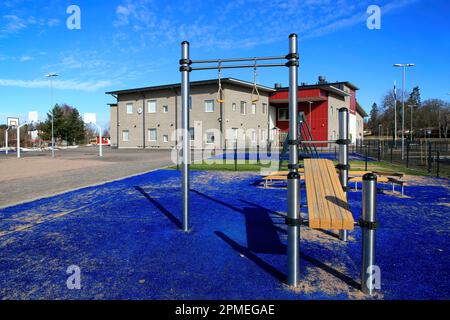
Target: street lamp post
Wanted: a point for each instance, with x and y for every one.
(404, 66)
(51, 76)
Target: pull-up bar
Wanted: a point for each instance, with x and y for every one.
(264, 65)
(293, 222)
(239, 59)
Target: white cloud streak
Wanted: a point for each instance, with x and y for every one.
(88, 86)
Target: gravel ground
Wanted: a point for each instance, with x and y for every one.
(37, 175)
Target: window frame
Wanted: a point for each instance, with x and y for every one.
(149, 135)
(213, 106)
(148, 105)
(128, 135)
(213, 140)
(130, 104)
(165, 108)
(165, 138)
(253, 108)
(243, 107)
(279, 114)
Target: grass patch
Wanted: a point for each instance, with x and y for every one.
(252, 166)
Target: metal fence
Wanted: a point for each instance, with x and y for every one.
(427, 156)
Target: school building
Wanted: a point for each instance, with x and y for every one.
(149, 117)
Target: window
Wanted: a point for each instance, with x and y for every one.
(243, 107)
(190, 103)
(209, 137)
(283, 114)
(209, 106)
(152, 135)
(233, 107)
(253, 108)
(253, 136)
(165, 109)
(235, 133)
(129, 108)
(192, 133)
(151, 106)
(165, 138)
(125, 135)
(264, 108)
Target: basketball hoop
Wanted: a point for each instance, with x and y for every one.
(12, 122)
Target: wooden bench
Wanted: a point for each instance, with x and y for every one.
(400, 182)
(360, 179)
(271, 178)
(327, 203)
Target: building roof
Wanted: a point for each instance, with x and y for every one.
(194, 83)
(360, 110)
(326, 86)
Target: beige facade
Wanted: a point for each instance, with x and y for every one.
(149, 117)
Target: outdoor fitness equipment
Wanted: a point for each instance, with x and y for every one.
(220, 96)
(255, 86)
(321, 173)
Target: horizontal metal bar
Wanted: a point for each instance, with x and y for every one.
(266, 65)
(317, 141)
(239, 59)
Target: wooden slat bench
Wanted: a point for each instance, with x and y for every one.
(360, 179)
(272, 178)
(400, 182)
(327, 203)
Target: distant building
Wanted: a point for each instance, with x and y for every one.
(149, 117)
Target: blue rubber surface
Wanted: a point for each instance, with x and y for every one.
(126, 239)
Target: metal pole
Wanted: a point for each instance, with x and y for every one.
(292, 220)
(18, 141)
(185, 69)
(100, 150)
(411, 131)
(51, 100)
(6, 140)
(403, 113)
(395, 114)
(368, 225)
(343, 157)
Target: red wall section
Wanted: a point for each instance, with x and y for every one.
(284, 95)
(319, 118)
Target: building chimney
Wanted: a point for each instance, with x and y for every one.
(278, 86)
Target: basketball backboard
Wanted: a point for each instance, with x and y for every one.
(12, 122)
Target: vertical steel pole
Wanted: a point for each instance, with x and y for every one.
(403, 113)
(18, 141)
(292, 220)
(368, 224)
(52, 106)
(343, 158)
(6, 140)
(185, 69)
(100, 150)
(395, 114)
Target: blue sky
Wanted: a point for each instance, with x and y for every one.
(124, 44)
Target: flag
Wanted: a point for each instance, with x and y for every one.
(395, 91)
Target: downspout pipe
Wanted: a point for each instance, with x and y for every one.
(143, 119)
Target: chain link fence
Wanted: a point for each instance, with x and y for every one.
(427, 156)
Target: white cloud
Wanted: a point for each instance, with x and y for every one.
(227, 24)
(88, 86)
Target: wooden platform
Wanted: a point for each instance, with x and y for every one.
(327, 203)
